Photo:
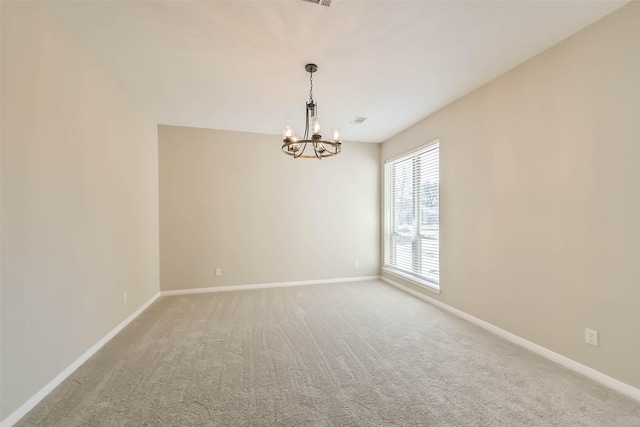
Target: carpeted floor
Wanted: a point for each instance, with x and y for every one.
(327, 355)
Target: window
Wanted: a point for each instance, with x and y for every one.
(412, 225)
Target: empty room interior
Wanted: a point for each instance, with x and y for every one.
(320, 213)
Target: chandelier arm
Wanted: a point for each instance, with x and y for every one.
(304, 146)
(306, 125)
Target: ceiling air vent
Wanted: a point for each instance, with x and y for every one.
(357, 119)
(319, 2)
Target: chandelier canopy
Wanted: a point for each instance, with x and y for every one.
(295, 147)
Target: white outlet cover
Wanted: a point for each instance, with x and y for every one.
(591, 337)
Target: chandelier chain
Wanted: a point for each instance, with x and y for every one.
(311, 87)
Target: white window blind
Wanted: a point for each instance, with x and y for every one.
(412, 225)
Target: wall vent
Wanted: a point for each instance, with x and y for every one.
(320, 2)
(358, 120)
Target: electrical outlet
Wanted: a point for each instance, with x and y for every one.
(591, 337)
(124, 298)
(355, 264)
(218, 272)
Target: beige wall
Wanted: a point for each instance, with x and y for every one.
(540, 197)
(232, 200)
(79, 203)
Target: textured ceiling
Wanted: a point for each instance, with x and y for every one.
(239, 65)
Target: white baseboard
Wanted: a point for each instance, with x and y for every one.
(538, 349)
(44, 391)
(36, 398)
(597, 376)
(265, 285)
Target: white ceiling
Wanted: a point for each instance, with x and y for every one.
(239, 65)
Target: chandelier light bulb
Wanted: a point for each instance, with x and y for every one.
(336, 135)
(287, 130)
(316, 128)
(294, 146)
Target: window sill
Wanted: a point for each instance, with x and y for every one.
(433, 287)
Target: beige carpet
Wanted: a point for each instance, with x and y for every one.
(326, 355)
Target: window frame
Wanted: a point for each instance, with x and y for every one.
(430, 282)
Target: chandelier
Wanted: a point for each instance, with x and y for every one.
(295, 147)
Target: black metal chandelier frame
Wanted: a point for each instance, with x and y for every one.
(321, 147)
